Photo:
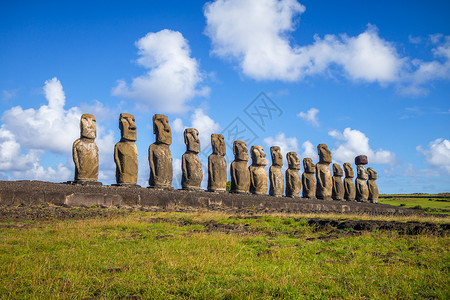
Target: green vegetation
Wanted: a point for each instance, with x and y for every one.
(217, 256)
(439, 203)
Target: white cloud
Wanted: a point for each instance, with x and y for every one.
(310, 151)
(286, 144)
(310, 116)
(9, 94)
(173, 77)
(352, 142)
(437, 154)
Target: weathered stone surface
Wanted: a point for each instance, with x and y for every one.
(323, 174)
(159, 155)
(125, 151)
(361, 160)
(338, 186)
(362, 190)
(308, 180)
(85, 151)
(372, 185)
(275, 174)
(191, 167)
(258, 176)
(349, 185)
(217, 165)
(239, 172)
(293, 182)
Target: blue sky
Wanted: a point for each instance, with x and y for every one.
(364, 78)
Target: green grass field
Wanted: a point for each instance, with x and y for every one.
(429, 203)
(217, 256)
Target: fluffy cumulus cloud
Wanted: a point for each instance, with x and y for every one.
(352, 142)
(437, 154)
(310, 151)
(256, 34)
(173, 76)
(310, 116)
(286, 144)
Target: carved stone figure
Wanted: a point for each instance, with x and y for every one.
(258, 176)
(308, 180)
(191, 167)
(217, 166)
(85, 151)
(125, 152)
(362, 190)
(293, 182)
(239, 173)
(323, 174)
(159, 155)
(349, 186)
(275, 175)
(372, 185)
(338, 185)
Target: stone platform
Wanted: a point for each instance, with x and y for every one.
(13, 193)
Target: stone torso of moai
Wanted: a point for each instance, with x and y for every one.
(240, 175)
(323, 174)
(372, 185)
(362, 190)
(258, 176)
(159, 155)
(125, 152)
(293, 182)
(308, 180)
(275, 174)
(217, 166)
(338, 186)
(349, 186)
(191, 168)
(85, 151)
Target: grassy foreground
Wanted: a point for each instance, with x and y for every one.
(218, 256)
(430, 203)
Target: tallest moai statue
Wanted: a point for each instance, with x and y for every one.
(125, 151)
(159, 155)
(362, 190)
(323, 174)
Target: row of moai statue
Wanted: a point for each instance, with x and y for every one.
(316, 180)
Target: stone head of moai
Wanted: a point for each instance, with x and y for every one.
(218, 144)
(293, 161)
(240, 151)
(88, 126)
(258, 156)
(324, 154)
(337, 170)
(191, 140)
(348, 170)
(161, 129)
(309, 166)
(361, 172)
(277, 158)
(372, 173)
(127, 127)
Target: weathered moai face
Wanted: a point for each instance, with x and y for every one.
(162, 129)
(258, 156)
(191, 140)
(348, 170)
(277, 158)
(324, 154)
(240, 151)
(308, 165)
(88, 126)
(337, 170)
(372, 174)
(362, 172)
(293, 161)
(218, 144)
(127, 127)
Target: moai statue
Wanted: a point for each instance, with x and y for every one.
(372, 185)
(349, 186)
(308, 180)
(258, 176)
(293, 183)
(338, 185)
(125, 152)
(323, 174)
(217, 166)
(191, 167)
(362, 190)
(85, 151)
(159, 155)
(240, 175)
(275, 175)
